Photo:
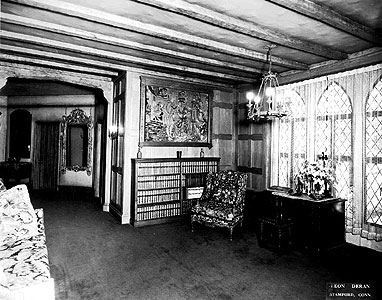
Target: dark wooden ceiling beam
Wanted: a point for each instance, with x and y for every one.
(156, 31)
(55, 64)
(331, 17)
(356, 60)
(243, 27)
(93, 52)
(97, 37)
(46, 57)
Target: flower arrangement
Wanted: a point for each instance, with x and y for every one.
(315, 179)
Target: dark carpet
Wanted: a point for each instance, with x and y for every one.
(93, 257)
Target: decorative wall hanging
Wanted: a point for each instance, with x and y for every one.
(76, 142)
(174, 114)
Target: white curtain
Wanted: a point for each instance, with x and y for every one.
(357, 84)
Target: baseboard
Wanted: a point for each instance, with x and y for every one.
(115, 212)
(77, 192)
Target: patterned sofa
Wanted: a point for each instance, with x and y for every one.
(24, 265)
(222, 201)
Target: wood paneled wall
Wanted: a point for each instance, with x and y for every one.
(224, 130)
(253, 144)
(224, 133)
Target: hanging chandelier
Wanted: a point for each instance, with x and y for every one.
(266, 104)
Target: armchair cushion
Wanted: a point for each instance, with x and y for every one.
(216, 209)
(225, 194)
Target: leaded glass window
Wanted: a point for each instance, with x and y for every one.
(292, 139)
(334, 137)
(373, 160)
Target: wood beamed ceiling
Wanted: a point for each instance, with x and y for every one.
(222, 42)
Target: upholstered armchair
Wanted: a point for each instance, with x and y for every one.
(222, 201)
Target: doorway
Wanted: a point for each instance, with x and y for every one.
(46, 154)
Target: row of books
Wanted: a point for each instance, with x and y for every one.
(158, 211)
(170, 181)
(199, 167)
(154, 196)
(157, 168)
(192, 180)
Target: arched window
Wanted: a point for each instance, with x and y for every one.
(373, 160)
(334, 137)
(292, 139)
(20, 134)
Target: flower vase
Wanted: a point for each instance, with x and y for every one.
(317, 188)
(327, 191)
(139, 153)
(311, 187)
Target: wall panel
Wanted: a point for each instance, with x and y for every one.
(253, 146)
(223, 127)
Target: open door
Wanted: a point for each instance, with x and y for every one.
(117, 150)
(99, 166)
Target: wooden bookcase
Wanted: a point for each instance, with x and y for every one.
(159, 187)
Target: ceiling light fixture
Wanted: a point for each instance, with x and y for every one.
(267, 104)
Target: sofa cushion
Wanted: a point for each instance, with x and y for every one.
(2, 186)
(26, 262)
(17, 217)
